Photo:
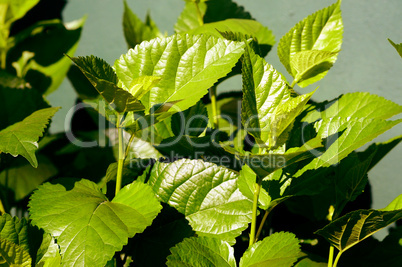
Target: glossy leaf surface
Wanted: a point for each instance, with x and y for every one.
(187, 65)
(277, 250)
(206, 194)
(321, 31)
(356, 226)
(202, 251)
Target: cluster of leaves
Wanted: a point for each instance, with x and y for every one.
(197, 182)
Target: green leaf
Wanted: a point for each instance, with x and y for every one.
(206, 194)
(350, 180)
(396, 204)
(14, 10)
(247, 182)
(89, 228)
(135, 31)
(354, 227)
(252, 28)
(188, 18)
(22, 178)
(321, 31)
(398, 47)
(268, 107)
(191, 122)
(362, 105)
(187, 65)
(13, 255)
(202, 251)
(265, 164)
(48, 254)
(219, 10)
(14, 230)
(21, 138)
(279, 249)
(306, 65)
(380, 150)
(21, 102)
(45, 43)
(103, 78)
(350, 134)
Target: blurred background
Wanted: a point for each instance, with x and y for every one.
(367, 62)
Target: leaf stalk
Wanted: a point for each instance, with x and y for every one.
(120, 162)
(214, 105)
(257, 188)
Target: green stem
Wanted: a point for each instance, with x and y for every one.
(128, 145)
(2, 210)
(331, 256)
(257, 188)
(199, 15)
(212, 94)
(121, 157)
(293, 84)
(262, 223)
(3, 58)
(337, 258)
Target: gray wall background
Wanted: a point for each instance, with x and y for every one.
(366, 63)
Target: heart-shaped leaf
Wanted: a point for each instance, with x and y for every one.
(88, 227)
(398, 47)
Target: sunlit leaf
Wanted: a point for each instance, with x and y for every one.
(354, 227)
(21, 138)
(206, 194)
(202, 251)
(13, 255)
(187, 65)
(277, 250)
(321, 31)
(89, 228)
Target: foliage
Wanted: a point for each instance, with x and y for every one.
(163, 175)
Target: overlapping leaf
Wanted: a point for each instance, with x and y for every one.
(319, 37)
(202, 251)
(135, 31)
(21, 138)
(187, 65)
(277, 250)
(356, 226)
(206, 194)
(88, 227)
(22, 178)
(103, 78)
(252, 28)
(350, 123)
(13, 255)
(188, 18)
(268, 106)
